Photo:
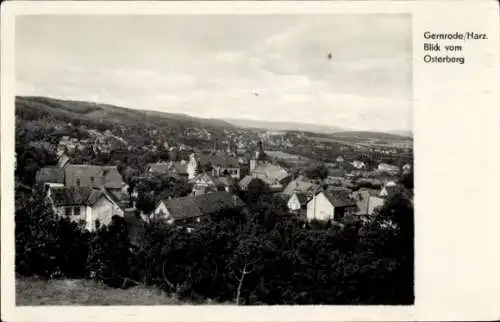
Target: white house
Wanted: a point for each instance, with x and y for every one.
(330, 205)
(87, 205)
(358, 164)
(388, 188)
(384, 167)
(297, 203)
(219, 164)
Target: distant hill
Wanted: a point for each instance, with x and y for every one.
(404, 133)
(104, 113)
(285, 126)
(365, 135)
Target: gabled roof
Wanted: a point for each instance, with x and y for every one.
(50, 174)
(93, 176)
(299, 185)
(224, 161)
(243, 183)
(391, 189)
(75, 196)
(63, 160)
(207, 177)
(303, 198)
(271, 172)
(218, 160)
(120, 198)
(179, 167)
(204, 204)
(339, 198)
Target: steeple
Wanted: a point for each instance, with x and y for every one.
(260, 154)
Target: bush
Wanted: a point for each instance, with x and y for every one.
(248, 259)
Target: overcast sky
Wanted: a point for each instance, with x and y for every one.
(212, 66)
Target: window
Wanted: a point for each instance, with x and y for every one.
(76, 211)
(68, 211)
(78, 182)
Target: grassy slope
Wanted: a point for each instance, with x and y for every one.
(33, 291)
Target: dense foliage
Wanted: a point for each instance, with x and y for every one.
(254, 258)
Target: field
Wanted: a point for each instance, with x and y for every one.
(33, 291)
(284, 155)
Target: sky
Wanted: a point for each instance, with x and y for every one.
(257, 67)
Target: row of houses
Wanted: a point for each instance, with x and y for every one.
(88, 192)
(312, 202)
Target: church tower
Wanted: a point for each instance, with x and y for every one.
(258, 158)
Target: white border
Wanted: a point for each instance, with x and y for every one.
(456, 127)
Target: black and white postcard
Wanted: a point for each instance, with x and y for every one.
(273, 160)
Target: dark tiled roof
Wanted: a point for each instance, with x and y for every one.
(93, 176)
(179, 167)
(75, 196)
(303, 198)
(205, 204)
(224, 161)
(339, 198)
(50, 174)
(218, 160)
(210, 179)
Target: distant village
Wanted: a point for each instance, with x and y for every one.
(348, 190)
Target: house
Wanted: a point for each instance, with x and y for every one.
(358, 164)
(273, 175)
(388, 168)
(85, 176)
(224, 164)
(389, 189)
(84, 205)
(245, 182)
(300, 184)
(217, 164)
(176, 169)
(207, 183)
(333, 205)
(298, 203)
(51, 176)
(368, 201)
(196, 208)
(158, 168)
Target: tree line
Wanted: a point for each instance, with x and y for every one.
(260, 257)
